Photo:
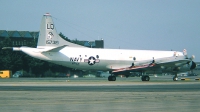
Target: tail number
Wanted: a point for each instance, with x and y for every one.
(52, 42)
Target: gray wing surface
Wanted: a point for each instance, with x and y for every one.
(156, 66)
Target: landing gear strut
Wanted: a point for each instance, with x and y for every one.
(175, 78)
(112, 78)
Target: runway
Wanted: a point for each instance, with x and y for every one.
(194, 87)
(162, 84)
(98, 95)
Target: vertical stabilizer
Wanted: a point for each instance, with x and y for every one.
(48, 36)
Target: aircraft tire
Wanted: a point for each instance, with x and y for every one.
(145, 78)
(175, 78)
(142, 78)
(111, 78)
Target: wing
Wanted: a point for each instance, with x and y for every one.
(156, 65)
(135, 68)
(57, 49)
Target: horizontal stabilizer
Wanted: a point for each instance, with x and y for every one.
(7, 48)
(57, 49)
(12, 48)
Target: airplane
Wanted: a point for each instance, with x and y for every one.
(52, 48)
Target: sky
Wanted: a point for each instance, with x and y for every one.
(124, 24)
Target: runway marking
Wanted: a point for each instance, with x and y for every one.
(185, 79)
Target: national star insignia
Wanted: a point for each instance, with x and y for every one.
(91, 60)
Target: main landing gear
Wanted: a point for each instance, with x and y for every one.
(145, 78)
(112, 78)
(175, 78)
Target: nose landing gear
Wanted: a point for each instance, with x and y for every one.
(175, 78)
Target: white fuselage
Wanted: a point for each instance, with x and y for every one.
(98, 59)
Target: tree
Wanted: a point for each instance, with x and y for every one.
(64, 37)
(73, 41)
(9, 60)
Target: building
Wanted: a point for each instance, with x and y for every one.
(20, 38)
(94, 44)
(27, 38)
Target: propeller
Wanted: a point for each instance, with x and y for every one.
(190, 63)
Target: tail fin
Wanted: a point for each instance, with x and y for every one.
(49, 37)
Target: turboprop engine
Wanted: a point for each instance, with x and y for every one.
(189, 66)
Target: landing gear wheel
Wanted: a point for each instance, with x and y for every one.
(175, 78)
(145, 78)
(111, 78)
